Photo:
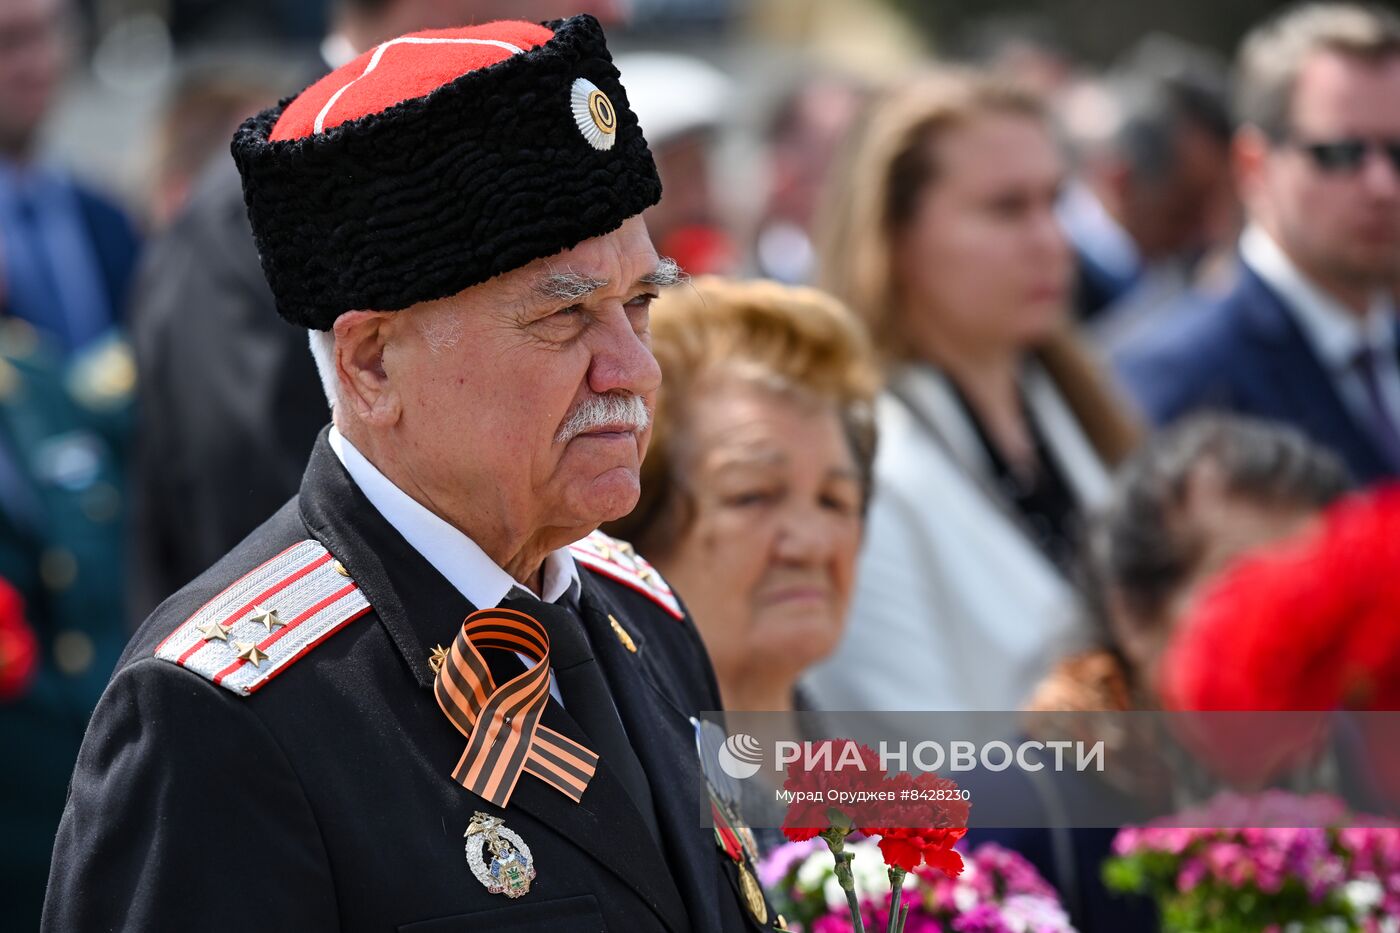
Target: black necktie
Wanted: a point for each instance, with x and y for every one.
(588, 700)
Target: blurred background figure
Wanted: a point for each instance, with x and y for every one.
(1194, 499)
(682, 103)
(755, 486)
(1309, 335)
(209, 99)
(67, 256)
(995, 430)
(64, 425)
(803, 136)
(229, 398)
(1191, 502)
(68, 252)
(1027, 48)
(1151, 194)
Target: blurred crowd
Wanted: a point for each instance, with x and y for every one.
(989, 363)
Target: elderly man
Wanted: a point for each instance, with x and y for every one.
(234, 375)
(1309, 336)
(308, 736)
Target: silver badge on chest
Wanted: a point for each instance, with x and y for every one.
(498, 857)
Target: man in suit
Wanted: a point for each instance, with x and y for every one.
(1309, 335)
(1148, 188)
(410, 658)
(213, 383)
(66, 253)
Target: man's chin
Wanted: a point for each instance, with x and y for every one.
(609, 496)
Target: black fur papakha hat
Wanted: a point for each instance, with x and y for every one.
(438, 160)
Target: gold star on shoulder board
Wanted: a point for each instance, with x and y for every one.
(435, 660)
(249, 651)
(266, 617)
(214, 630)
(621, 634)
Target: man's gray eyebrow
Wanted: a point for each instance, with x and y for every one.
(566, 286)
(570, 286)
(666, 274)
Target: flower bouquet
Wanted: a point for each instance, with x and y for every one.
(997, 892)
(918, 819)
(1273, 877)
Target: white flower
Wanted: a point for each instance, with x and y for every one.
(965, 897)
(1363, 895)
(1025, 912)
(835, 897)
(871, 876)
(812, 873)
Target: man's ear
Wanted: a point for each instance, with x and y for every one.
(1248, 152)
(365, 386)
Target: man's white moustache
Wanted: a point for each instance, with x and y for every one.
(599, 410)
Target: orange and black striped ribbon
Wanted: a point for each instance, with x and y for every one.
(502, 723)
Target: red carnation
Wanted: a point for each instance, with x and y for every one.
(19, 649)
(924, 828)
(813, 811)
(907, 849)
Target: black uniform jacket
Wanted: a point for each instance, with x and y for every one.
(325, 801)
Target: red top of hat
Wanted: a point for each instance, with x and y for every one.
(402, 69)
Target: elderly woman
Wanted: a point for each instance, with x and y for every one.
(995, 430)
(755, 485)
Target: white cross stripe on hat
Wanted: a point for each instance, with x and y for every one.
(405, 40)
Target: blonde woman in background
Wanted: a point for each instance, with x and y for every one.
(996, 431)
(755, 485)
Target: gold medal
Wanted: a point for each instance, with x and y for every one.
(753, 894)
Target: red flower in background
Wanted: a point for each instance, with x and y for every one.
(1309, 625)
(19, 649)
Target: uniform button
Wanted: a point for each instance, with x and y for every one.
(73, 652)
(58, 568)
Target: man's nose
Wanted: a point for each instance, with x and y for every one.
(1381, 174)
(622, 361)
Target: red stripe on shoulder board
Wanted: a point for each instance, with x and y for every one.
(621, 577)
(276, 557)
(258, 685)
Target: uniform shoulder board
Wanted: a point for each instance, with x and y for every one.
(267, 619)
(617, 559)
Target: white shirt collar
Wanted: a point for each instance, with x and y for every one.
(453, 554)
(1335, 333)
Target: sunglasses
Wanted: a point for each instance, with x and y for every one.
(1347, 155)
